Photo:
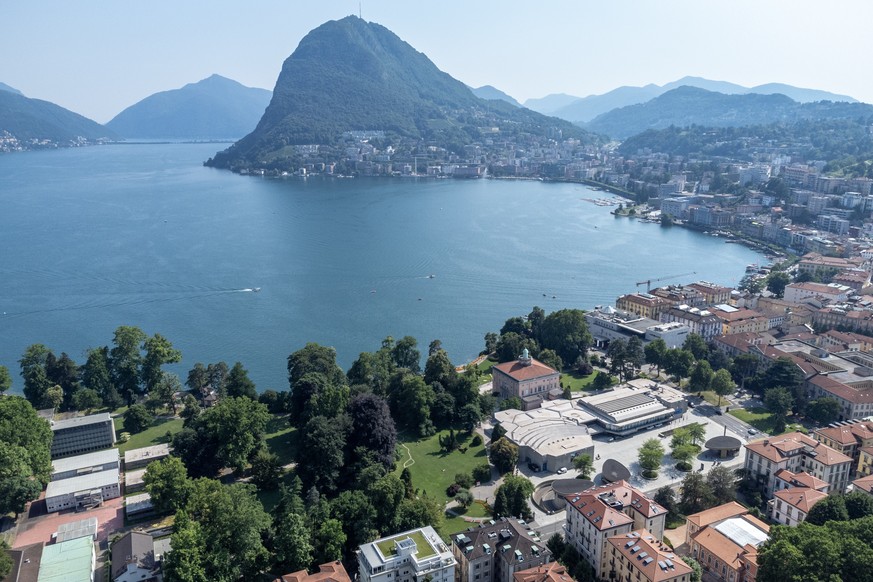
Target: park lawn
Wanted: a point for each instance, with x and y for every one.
(150, 436)
(281, 439)
(433, 470)
(486, 365)
(762, 419)
(578, 383)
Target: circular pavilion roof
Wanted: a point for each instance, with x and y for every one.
(723, 443)
(567, 487)
(614, 471)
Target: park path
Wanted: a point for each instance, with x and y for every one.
(410, 461)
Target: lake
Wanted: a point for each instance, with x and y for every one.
(143, 234)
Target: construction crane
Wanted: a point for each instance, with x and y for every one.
(648, 282)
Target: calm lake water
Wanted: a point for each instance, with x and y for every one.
(143, 235)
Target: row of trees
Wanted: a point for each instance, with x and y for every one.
(25, 454)
(698, 492)
(558, 339)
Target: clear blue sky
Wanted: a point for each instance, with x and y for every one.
(97, 57)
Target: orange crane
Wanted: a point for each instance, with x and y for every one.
(648, 282)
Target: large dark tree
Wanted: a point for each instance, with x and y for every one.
(406, 355)
(314, 358)
(511, 497)
(63, 372)
(25, 441)
(33, 372)
(320, 454)
(238, 383)
(372, 428)
(566, 332)
(95, 375)
(125, 360)
(158, 351)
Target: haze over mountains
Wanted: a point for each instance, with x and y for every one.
(214, 108)
(32, 123)
(580, 110)
(350, 75)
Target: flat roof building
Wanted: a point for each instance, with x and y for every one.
(69, 561)
(86, 490)
(84, 528)
(411, 556)
(627, 410)
(139, 458)
(95, 462)
(138, 505)
(82, 434)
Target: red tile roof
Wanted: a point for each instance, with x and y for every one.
(633, 545)
(780, 447)
(521, 372)
(800, 497)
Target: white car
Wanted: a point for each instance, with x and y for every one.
(753, 431)
(562, 470)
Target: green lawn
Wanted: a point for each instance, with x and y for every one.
(486, 365)
(423, 549)
(281, 439)
(434, 470)
(150, 436)
(762, 419)
(578, 383)
(452, 525)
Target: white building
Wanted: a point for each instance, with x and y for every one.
(85, 490)
(68, 467)
(82, 434)
(413, 556)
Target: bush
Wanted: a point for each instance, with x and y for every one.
(453, 489)
(137, 419)
(647, 474)
(683, 466)
(476, 440)
(465, 480)
(482, 473)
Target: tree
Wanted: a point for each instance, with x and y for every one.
(566, 332)
(831, 508)
(17, 482)
(63, 372)
(314, 358)
(497, 432)
(617, 354)
(237, 427)
(5, 560)
(666, 498)
(696, 570)
(190, 410)
(584, 465)
(166, 389)
(490, 342)
(678, 362)
(635, 355)
(470, 416)
(695, 493)
(86, 399)
(722, 482)
(744, 366)
(551, 359)
(358, 516)
(650, 456)
(516, 325)
(696, 432)
(217, 377)
(482, 473)
(504, 455)
(655, 352)
(22, 428)
(137, 418)
(320, 455)
(406, 355)
(236, 525)
(410, 400)
(695, 344)
(292, 542)
(386, 494)
(36, 382)
(5, 379)
(372, 428)
(701, 377)
(778, 401)
(751, 283)
(602, 381)
(722, 384)
(328, 540)
(824, 410)
(776, 282)
(198, 378)
(266, 470)
(511, 497)
(168, 484)
(858, 504)
(238, 383)
(511, 345)
(464, 498)
(125, 361)
(95, 375)
(187, 561)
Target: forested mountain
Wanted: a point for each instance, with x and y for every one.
(587, 108)
(846, 144)
(550, 103)
(5, 87)
(489, 92)
(686, 106)
(213, 108)
(350, 75)
(32, 120)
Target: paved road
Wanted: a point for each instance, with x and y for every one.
(732, 423)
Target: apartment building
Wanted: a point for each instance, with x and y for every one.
(496, 552)
(602, 512)
(417, 555)
(796, 453)
(727, 549)
(639, 556)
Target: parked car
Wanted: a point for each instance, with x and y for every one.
(533, 467)
(562, 470)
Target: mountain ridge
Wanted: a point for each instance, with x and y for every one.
(36, 124)
(213, 108)
(350, 75)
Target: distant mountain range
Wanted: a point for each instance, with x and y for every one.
(685, 106)
(214, 108)
(35, 123)
(580, 110)
(353, 76)
(489, 92)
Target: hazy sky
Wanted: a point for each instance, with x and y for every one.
(97, 57)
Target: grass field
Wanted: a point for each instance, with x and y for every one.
(150, 436)
(433, 470)
(281, 439)
(762, 419)
(486, 365)
(578, 383)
